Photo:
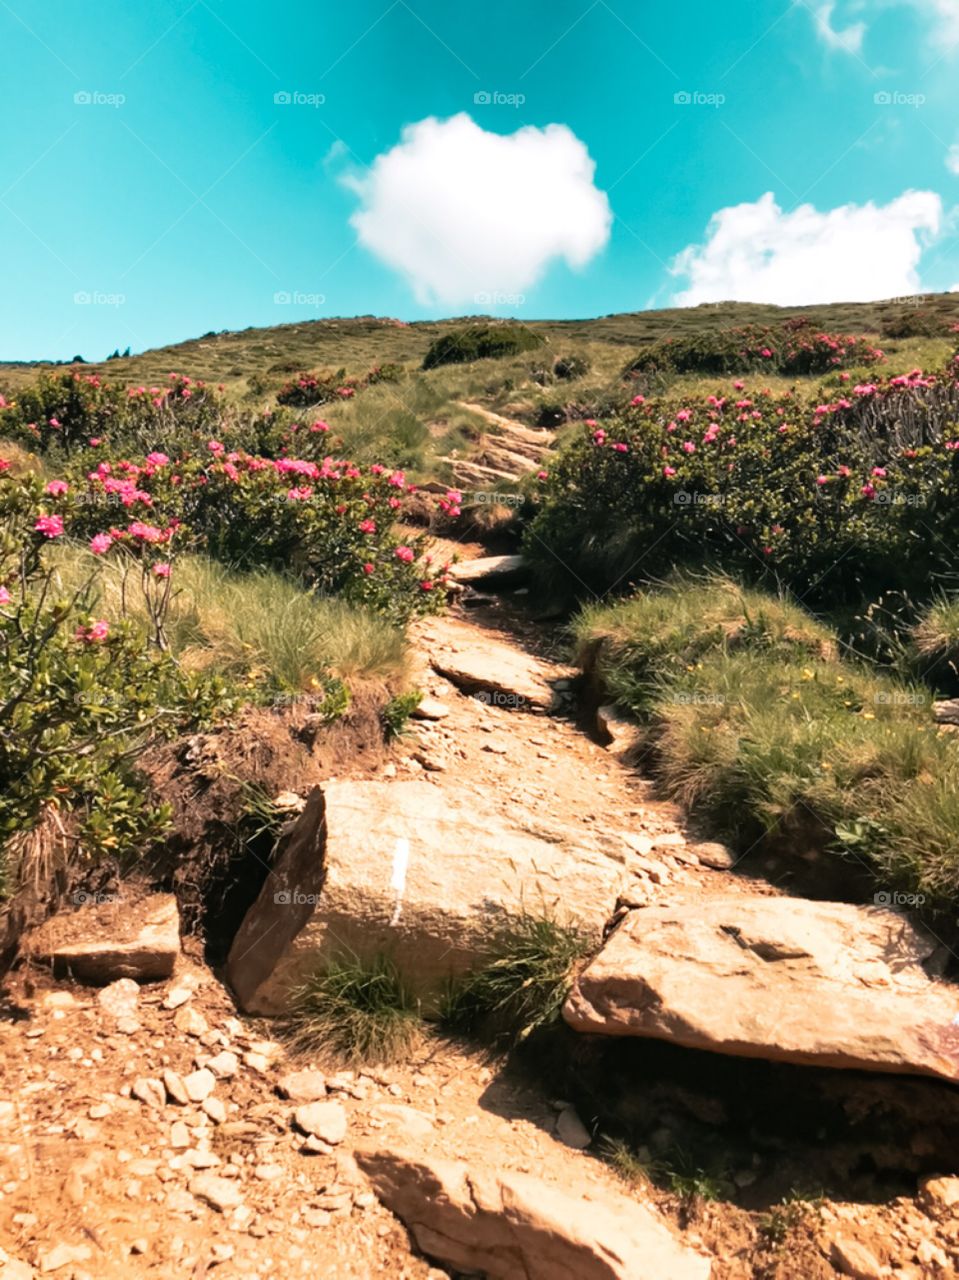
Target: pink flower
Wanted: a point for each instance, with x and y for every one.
(426, 586)
(822, 479)
(100, 542)
(320, 426)
(880, 472)
(55, 423)
(301, 494)
(49, 526)
(4, 595)
(367, 526)
(638, 400)
(405, 554)
(145, 532)
(688, 446)
(57, 487)
(96, 633)
(158, 459)
(368, 568)
(542, 475)
(214, 446)
(868, 491)
(621, 448)
(766, 353)
(669, 471)
(161, 570)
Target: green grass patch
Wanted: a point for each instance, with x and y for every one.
(759, 731)
(354, 1011)
(522, 985)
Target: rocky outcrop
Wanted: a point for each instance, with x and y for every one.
(103, 942)
(491, 670)
(424, 874)
(823, 983)
(511, 1226)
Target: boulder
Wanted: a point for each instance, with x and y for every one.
(617, 730)
(828, 984)
(491, 570)
(491, 670)
(102, 943)
(512, 1226)
(421, 873)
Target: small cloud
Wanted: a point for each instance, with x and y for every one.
(858, 253)
(461, 212)
(849, 39)
(952, 158)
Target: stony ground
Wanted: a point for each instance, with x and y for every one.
(152, 1131)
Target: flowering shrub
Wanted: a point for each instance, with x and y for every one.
(329, 522)
(832, 496)
(308, 389)
(71, 410)
(794, 348)
(78, 697)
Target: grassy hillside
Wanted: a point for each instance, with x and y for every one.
(239, 358)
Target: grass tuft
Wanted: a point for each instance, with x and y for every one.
(355, 1011)
(522, 986)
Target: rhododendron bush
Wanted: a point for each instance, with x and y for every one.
(837, 496)
(791, 349)
(330, 523)
(77, 695)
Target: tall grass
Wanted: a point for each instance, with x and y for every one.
(243, 624)
(759, 730)
(354, 1011)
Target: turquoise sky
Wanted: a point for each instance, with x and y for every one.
(153, 187)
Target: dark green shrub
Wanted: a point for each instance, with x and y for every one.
(568, 368)
(480, 342)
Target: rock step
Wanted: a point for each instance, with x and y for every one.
(825, 984)
(487, 570)
(512, 1225)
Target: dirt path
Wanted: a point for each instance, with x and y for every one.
(96, 1182)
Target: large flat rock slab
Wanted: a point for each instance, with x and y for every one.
(823, 983)
(490, 669)
(422, 873)
(106, 940)
(512, 1226)
(491, 571)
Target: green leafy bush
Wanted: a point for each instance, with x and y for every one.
(79, 698)
(568, 368)
(835, 497)
(480, 342)
(793, 348)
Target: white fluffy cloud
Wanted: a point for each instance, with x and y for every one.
(466, 215)
(849, 38)
(759, 253)
(952, 158)
(941, 16)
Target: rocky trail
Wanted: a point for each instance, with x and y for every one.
(153, 1124)
(509, 450)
